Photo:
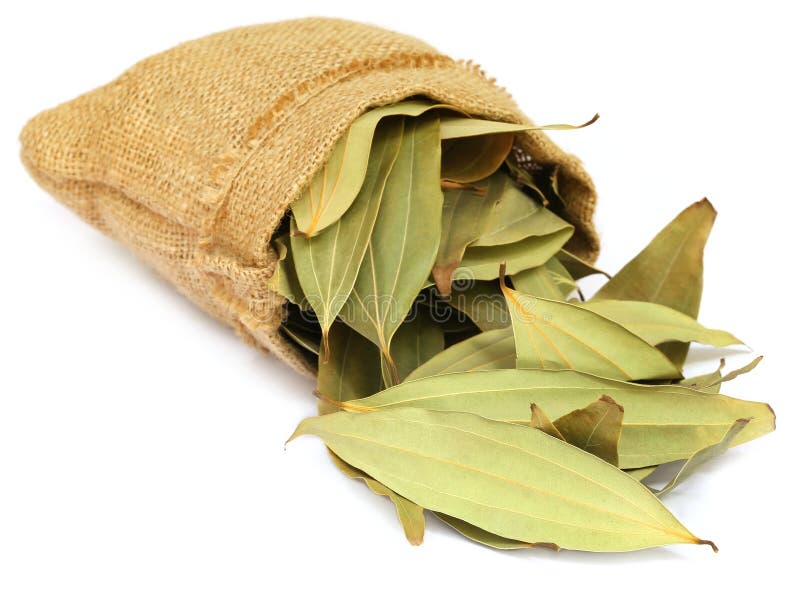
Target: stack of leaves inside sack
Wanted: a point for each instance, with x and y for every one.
(460, 368)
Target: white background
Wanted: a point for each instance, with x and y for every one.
(141, 443)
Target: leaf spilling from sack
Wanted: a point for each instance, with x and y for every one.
(460, 369)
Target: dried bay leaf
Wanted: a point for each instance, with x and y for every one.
(517, 217)
(460, 127)
(450, 319)
(735, 373)
(334, 188)
(595, 428)
(403, 244)
(662, 422)
(551, 280)
(483, 302)
(709, 383)
(555, 334)
(577, 267)
(473, 149)
(486, 351)
(352, 370)
(411, 515)
(474, 158)
(284, 279)
(481, 536)
(657, 324)
(456, 337)
(641, 473)
(300, 326)
(328, 263)
(699, 458)
(514, 482)
(669, 270)
(465, 215)
(302, 338)
(416, 341)
(525, 178)
(712, 382)
(482, 263)
(541, 421)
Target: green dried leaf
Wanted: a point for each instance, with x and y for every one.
(515, 482)
(417, 340)
(302, 338)
(474, 158)
(411, 515)
(352, 370)
(709, 383)
(657, 324)
(464, 217)
(403, 246)
(551, 280)
(595, 428)
(517, 217)
(450, 319)
(460, 127)
(473, 149)
(483, 303)
(577, 267)
(480, 536)
(734, 373)
(328, 263)
(525, 178)
(540, 421)
(669, 271)
(641, 474)
(712, 382)
(334, 188)
(482, 263)
(485, 351)
(300, 326)
(699, 458)
(554, 334)
(284, 279)
(662, 422)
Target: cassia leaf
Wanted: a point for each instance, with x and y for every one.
(512, 481)
(662, 422)
(555, 334)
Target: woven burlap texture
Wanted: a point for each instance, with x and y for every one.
(192, 156)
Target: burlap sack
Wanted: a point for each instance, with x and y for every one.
(193, 155)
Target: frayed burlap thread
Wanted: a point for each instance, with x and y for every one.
(192, 157)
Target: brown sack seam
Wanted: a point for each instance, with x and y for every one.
(229, 165)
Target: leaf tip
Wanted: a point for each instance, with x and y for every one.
(443, 277)
(300, 430)
(590, 121)
(705, 203)
(610, 401)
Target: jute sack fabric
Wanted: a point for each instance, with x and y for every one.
(192, 156)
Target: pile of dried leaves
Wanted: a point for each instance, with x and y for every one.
(460, 368)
